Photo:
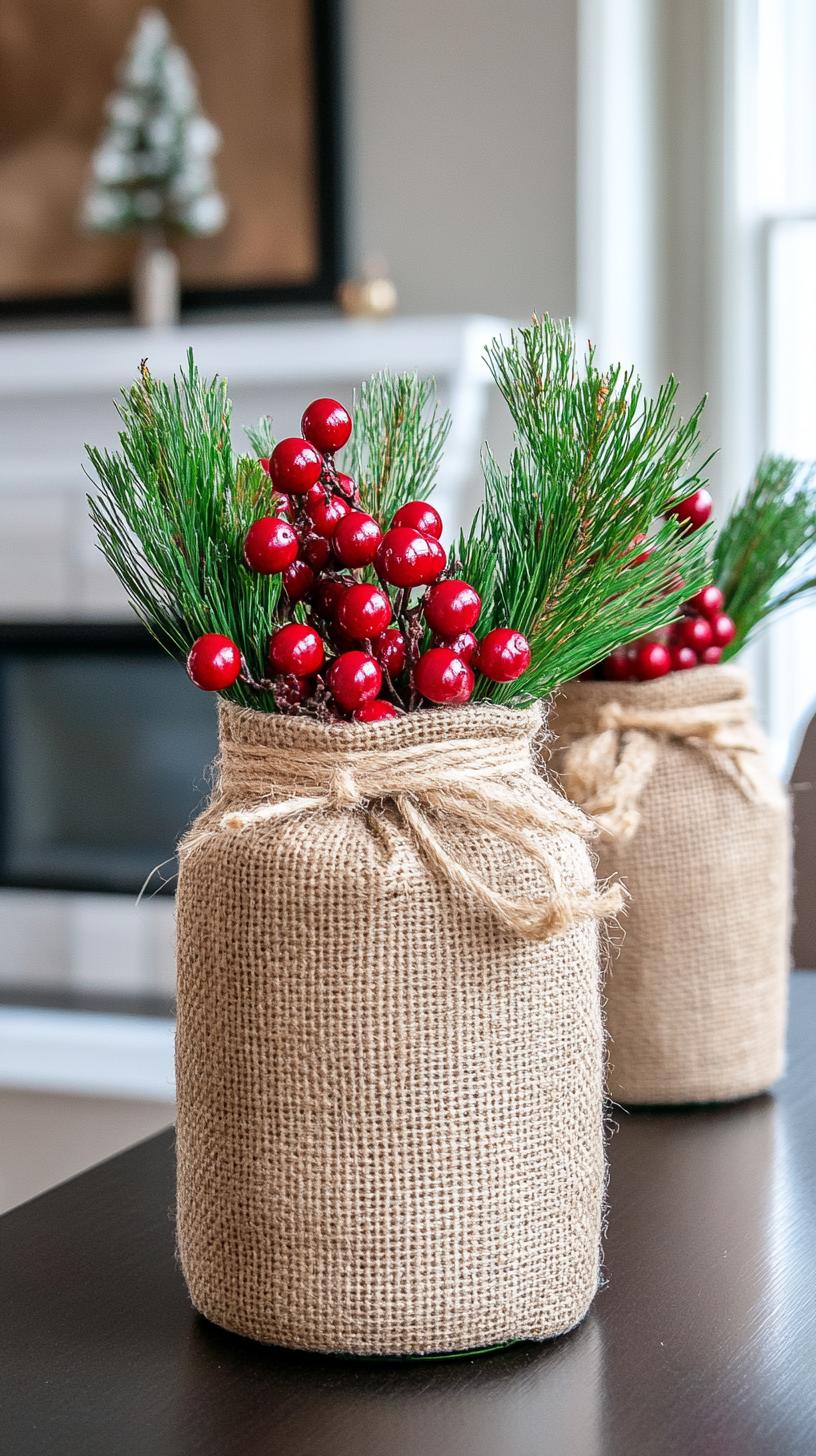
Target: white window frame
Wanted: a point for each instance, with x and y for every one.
(783, 661)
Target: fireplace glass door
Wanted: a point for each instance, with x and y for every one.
(103, 760)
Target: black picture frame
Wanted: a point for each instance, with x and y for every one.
(326, 30)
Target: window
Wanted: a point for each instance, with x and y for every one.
(775, 46)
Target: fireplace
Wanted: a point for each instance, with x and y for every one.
(104, 754)
(104, 746)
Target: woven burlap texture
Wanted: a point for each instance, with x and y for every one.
(696, 994)
(389, 1105)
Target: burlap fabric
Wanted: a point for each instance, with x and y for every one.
(698, 829)
(389, 1103)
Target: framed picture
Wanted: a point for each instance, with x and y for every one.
(267, 78)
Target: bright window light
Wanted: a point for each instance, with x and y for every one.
(783, 207)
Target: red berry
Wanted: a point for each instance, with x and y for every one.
(452, 606)
(464, 644)
(645, 554)
(316, 550)
(298, 580)
(214, 662)
(375, 712)
(503, 655)
(348, 487)
(406, 558)
(711, 656)
(724, 629)
(340, 640)
(695, 510)
(270, 545)
(326, 515)
(354, 678)
(325, 597)
(296, 649)
(652, 659)
(442, 677)
(619, 665)
(682, 658)
(294, 465)
(710, 601)
(694, 632)
(421, 517)
(363, 611)
(390, 649)
(356, 539)
(283, 505)
(327, 424)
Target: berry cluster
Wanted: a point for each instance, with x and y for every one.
(368, 649)
(696, 640)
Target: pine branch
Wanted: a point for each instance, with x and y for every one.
(261, 437)
(399, 435)
(596, 462)
(171, 512)
(765, 554)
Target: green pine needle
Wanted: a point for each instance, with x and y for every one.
(765, 555)
(399, 435)
(261, 437)
(173, 506)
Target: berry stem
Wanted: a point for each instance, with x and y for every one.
(411, 625)
(401, 607)
(330, 479)
(389, 682)
(258, 685)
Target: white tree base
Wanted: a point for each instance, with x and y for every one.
(156, 287)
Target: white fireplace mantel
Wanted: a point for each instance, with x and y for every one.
(77, 362)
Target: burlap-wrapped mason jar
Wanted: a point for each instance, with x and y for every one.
(697, 827)
(389, 1048)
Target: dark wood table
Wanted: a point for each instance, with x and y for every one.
(703, 1340)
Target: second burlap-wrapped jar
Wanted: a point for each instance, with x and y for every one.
(389, 1049)
(697, 826)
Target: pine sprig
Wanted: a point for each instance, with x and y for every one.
(172, 508)
(399, 436)
(765, 554)
(261, 437)
(596, 462)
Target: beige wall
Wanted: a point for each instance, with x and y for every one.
(461, 150)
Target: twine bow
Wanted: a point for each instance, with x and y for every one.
(606, 770)
(467, 780)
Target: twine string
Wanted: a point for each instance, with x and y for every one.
(607, 768)
(483, 784)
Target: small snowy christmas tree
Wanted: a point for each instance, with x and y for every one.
(152, 172)
(153, 166)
